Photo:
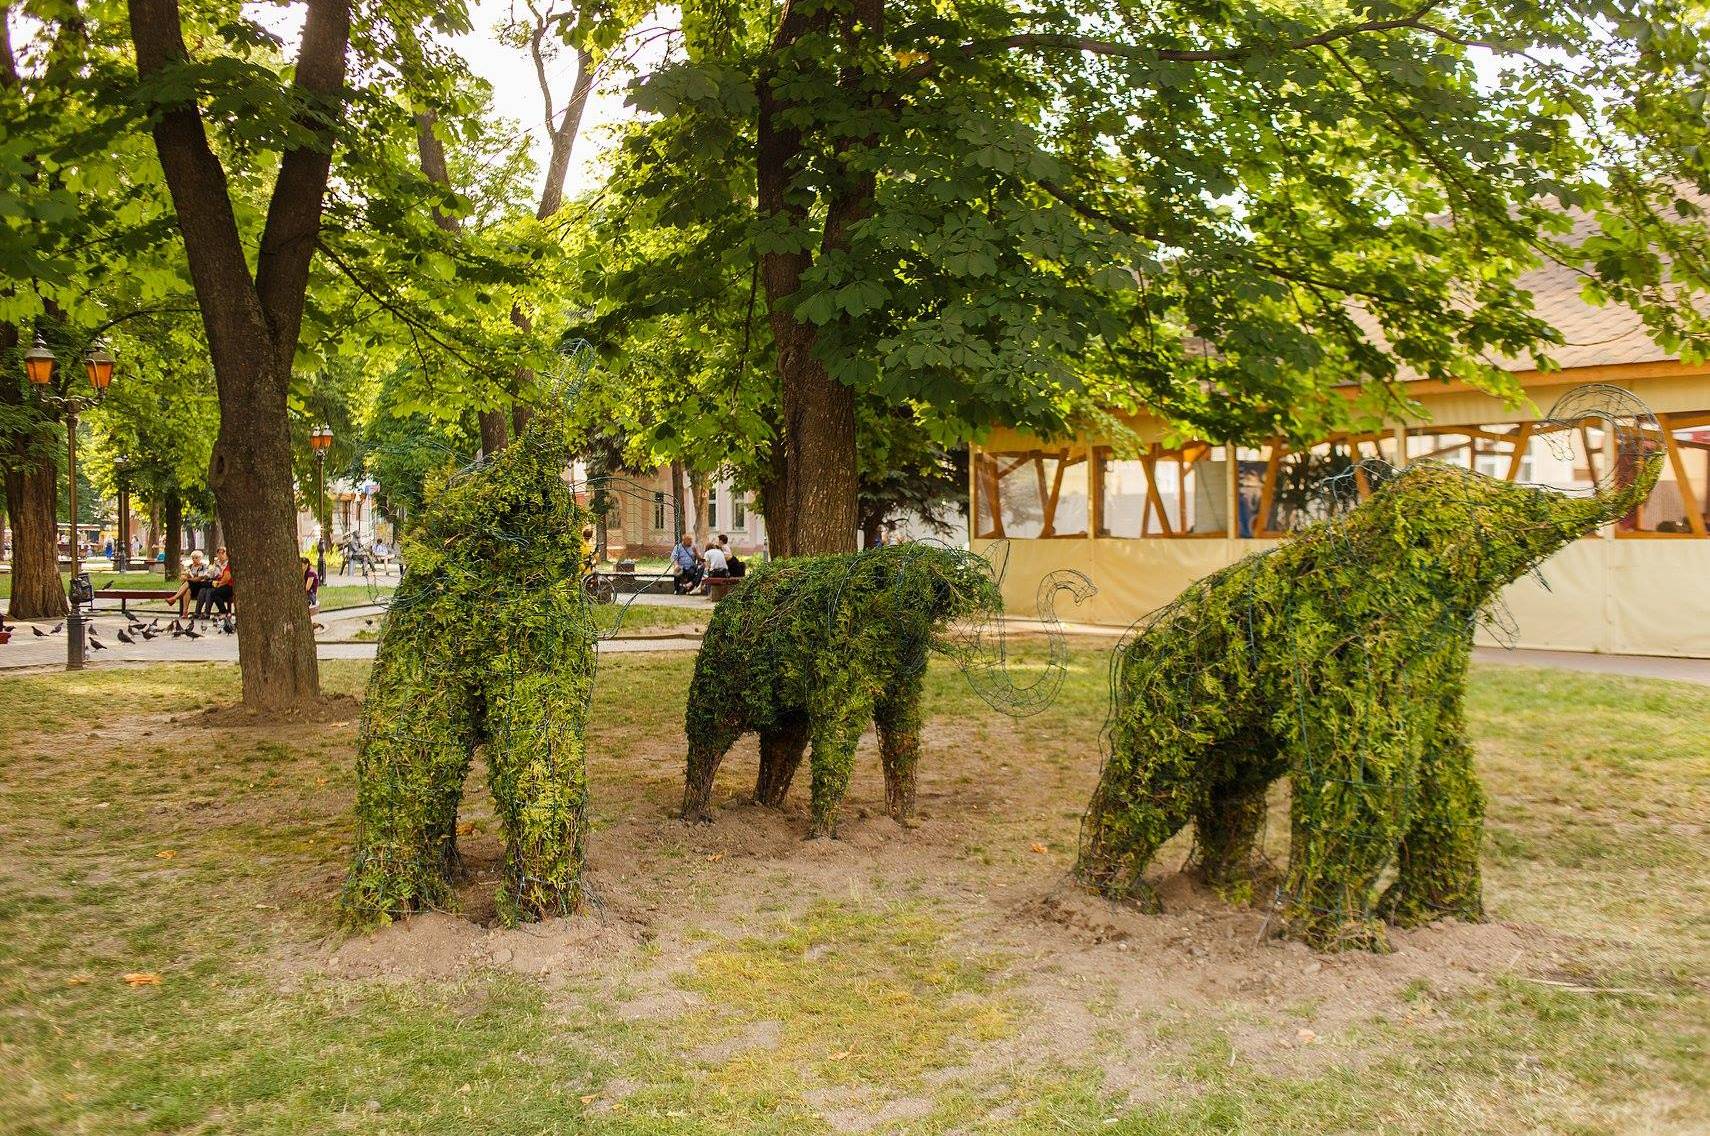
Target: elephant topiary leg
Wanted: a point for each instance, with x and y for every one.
(537, 768)
(1350, 790)
(411, 763)
(1227, 832)
(835, 734)
(781, 750)
(897, 715)
(1152, 784)
(1438, 872)
(707, 746)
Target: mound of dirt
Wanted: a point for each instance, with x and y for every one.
(330, 708)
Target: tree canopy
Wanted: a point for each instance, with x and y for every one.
(993, 213)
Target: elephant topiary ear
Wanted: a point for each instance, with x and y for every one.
(1638, 437)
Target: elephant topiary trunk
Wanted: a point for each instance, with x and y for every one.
(1339, 659)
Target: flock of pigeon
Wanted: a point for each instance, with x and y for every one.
(136, 631)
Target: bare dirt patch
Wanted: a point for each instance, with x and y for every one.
(989, 857)
(330, 708)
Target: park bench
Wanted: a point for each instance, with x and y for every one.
(719, 586)
(126, 595)
(638, 583)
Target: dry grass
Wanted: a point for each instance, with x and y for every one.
(736, 979)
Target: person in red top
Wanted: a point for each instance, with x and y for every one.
(219, 589)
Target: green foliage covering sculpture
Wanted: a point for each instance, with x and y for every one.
(807, 651)
(488, 643)
(1340, 660)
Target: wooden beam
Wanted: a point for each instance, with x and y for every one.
(989, 469)
(1181, 494)
(1694, 518)
(1522, 443)
(1050, 503)
(1153, 498)
(1095, 489)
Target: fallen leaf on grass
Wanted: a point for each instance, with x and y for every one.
(165, 854)
(320, 781)
(142, 978)
(589, 1099)
(1037, 847)
(715, 857)
(79, 980)
(1305, 1036)
(466, 828)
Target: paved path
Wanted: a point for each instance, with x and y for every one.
(28, 652)
(1638, 666)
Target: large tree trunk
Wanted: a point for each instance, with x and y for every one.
(276, 652)
(32, 500)
(818, 412)
(819, 439)
(698, 493)
(32, 485)
(253, 322)
(174, 511)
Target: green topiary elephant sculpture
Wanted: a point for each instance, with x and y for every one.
(1339, 659)
(807, 651)
(487, 643)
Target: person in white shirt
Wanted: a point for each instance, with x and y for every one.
(718, 564)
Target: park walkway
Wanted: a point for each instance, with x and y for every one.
(339, 641)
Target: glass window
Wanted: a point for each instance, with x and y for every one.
(1167, 493)
(1123, 507)
(1030, 494)
(658, 511)
(712, 507)
(738, 511)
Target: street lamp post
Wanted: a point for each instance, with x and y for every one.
(321, 439)
(122, 553)
(39, 367)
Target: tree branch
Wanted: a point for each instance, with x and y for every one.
(410, 321)
(1092, 212)
(201, 196)
(293, 226)
(1092, 45)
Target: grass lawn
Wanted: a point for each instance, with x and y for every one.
(942, 978)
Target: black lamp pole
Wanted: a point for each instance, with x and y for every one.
(39, 368)
(122, 554)
(321, 438)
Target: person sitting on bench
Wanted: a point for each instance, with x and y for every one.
(718, 563)
(193, 580)
(218, 593)
(737, 568)
(688, 563)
